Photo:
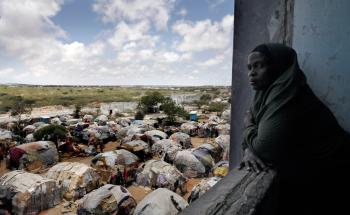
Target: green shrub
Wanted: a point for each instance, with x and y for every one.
(51, 133)
(216, 107)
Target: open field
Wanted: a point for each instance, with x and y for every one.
(84, 95)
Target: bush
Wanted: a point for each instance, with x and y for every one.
(51, 133)
(149, 101)
(216, 107)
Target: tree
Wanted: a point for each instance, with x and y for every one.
(149, 101)
(203, 100)
(20, 106)
(51, 133)
(171, 109)
(77, 110)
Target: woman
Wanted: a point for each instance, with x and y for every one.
(290, 130)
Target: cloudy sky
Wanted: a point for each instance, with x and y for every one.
(116, 42)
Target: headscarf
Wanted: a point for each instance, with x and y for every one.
(289, 80)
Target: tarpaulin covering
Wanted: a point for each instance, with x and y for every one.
(189, 164)
(136, 145)
(160, 202)
(38, 155)
(201, 188)
(182, 138)
(76, 179)
(108, 199)
(31, 193)
(166, 147)
(156, 135)
(157, 173)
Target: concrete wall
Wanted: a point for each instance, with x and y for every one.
(322, 41)
(256, 22)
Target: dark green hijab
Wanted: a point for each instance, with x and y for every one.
(289, 79)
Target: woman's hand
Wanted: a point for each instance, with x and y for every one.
(252, 162)
(248, 119)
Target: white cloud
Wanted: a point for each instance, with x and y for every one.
(135, 35)
(130, 53)
(204, 35)
(214, 3)
(157, 11)
(182, 12)
(213, 61)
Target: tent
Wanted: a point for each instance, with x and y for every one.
(29, 193)
(159, 202)
(109, 199)
(77, 179)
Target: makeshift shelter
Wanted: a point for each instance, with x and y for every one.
(34, 156)
(5, 135)
(107, 163)
(167, 148)
(101, 119)
(123, 122)
(204, 156)
(6, 138)
(29, 138)
(161, 201)
(72, 121)
(138, 147)
(76, 179)
(221, 169)
(38, 124)
(88, 118)
(29, 129)
(157, 173)
(224, 142)
(201, 188)
(213, 149)
(190, 128)
(226, 115)
(182, 138)
(29, 193)
(156, 135)
(109, 199)
(189, 164)
(223, 129)
(56, 121)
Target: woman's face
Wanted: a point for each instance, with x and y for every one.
(258, 71)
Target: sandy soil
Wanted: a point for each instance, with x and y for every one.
(197, 141)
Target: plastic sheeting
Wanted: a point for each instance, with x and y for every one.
(29, 128)
(201, 188)
(214, 149)
(76, 179)
(157, 173)
(190, 128)
(182, 138)
(108, 199)
(189, 164)
(116, 157)
(38, 155)
(223, 129)
(136, 146)
(221, 169)
(156, 135)
(160, 202)
(166, 147)
(31, 193)
(224, 142)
